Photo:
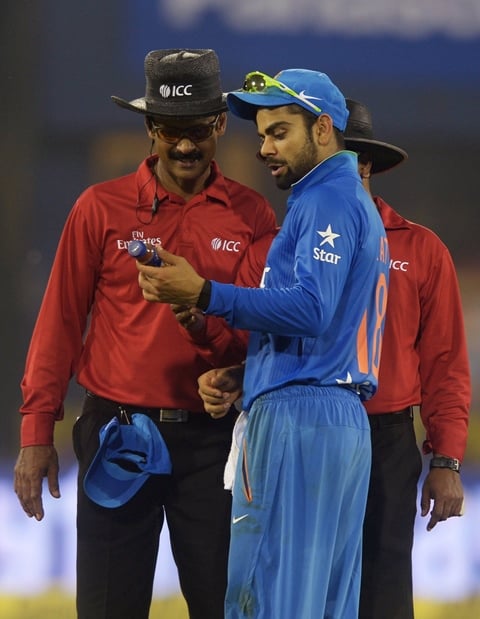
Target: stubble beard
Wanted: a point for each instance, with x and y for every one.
(306, 161)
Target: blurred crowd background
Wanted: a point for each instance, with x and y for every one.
(415, 64)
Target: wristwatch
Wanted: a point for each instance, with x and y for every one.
(441, 462)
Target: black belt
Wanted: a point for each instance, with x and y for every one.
(391, 419)
(175, 415)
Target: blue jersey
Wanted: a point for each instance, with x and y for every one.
(318, 317)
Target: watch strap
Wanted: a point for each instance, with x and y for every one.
(442, 462)
(205, 294)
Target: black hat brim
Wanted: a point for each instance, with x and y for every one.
(384, 156)
(173, 109)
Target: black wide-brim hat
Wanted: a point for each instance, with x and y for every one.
(180, 82)
(359, 138)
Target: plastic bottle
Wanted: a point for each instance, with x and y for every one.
(144, 253)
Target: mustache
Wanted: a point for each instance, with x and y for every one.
(268, 160)
(193, 156)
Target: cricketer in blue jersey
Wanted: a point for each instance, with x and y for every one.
(316, 327)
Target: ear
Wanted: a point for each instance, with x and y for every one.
(221, 124)
(148, 127)
(365, 169)
(323, 129)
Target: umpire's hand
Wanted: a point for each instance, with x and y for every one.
(444, 487)
(33, 464)
(220, 388)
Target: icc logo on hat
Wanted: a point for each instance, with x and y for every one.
(175, 91)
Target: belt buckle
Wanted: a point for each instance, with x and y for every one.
(173, 415)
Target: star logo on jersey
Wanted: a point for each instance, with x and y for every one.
(328, 236)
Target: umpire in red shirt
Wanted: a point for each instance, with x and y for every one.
(424, 363)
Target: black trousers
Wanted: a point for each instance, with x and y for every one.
(117, 548)
(386, 591)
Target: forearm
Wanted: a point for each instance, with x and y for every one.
(218, 343)
(254, 309)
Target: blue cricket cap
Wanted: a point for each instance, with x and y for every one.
(127, 455)
(310, 87)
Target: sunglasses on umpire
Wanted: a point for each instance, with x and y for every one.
(195, 133)
(257, 82)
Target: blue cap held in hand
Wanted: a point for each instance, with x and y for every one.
(127, 455)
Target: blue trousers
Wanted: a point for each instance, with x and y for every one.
(298, 505)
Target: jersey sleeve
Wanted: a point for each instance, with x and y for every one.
(311, 292)
(219, 343)
(444, 366)
(57, 339)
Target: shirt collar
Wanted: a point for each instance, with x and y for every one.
(390, 218)
(343, 159)
(148, 185)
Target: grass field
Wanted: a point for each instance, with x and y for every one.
(55, 605)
